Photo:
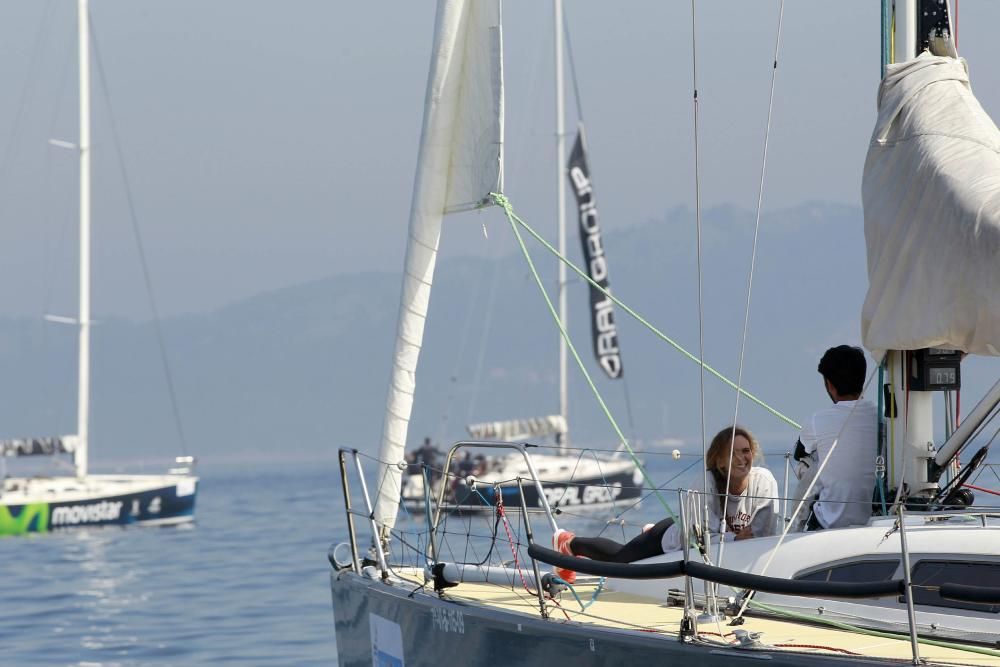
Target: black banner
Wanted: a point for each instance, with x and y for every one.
(603, 328)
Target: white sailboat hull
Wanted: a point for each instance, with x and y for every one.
(568, 482)
(953, 548)
(401, 623)
(43, 504)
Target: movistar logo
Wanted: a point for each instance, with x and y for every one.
(71, 515)
(34, 513)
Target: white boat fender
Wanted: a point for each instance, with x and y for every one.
(336, 559)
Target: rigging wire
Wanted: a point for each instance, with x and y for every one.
(638, 501)
(133, 219)
(580, 125)
(459, 357)
(33, 65)
(484, 339)
(509, 211)
(38, 46)
(502, 201)
(808, 492)
(62, 230)
(572, 68)
(53, 246)
(753, 263)
(697, 222)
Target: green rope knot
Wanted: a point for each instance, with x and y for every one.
(501, 200)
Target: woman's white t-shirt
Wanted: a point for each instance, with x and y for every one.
(756, 507)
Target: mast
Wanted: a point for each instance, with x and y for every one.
(912, 426)
(83, 390)
(906, 30)
(910, 430)
(562, 439)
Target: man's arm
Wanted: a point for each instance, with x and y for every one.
(807, 439)
(800, 452)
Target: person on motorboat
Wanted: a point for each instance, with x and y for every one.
(751, 507)
(848, 429)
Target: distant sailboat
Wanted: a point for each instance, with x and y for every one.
(40, 504)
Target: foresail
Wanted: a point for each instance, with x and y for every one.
(459, 164)
(931, 194)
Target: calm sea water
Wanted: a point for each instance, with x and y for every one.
(247, 584)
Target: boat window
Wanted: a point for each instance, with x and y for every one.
(928, 575)
(869, 570)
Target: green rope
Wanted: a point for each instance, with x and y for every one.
(502, 201)
(874, 633)
(593, 597)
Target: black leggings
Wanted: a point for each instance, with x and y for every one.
(645, 545)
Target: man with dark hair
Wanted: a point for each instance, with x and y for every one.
(845, 433)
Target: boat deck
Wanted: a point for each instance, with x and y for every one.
(629, 612)
(25, 490)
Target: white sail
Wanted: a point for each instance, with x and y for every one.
(49, 446)
(931, 193)
(459, 164)
(518, 429)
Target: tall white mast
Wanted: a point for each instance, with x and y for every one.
(83, 395)
(913, 427)
(562, 439)
(906, 30)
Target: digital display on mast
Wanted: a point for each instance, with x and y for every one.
(935, 369)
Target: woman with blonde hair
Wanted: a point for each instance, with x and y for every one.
(750, 507)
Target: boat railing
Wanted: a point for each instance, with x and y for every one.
(350, 458)
(356, 561)
(439, 506)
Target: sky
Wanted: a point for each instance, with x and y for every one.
(268, 144)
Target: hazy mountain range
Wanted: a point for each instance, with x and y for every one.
(304, 369)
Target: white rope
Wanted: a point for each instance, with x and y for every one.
(753, 262)
(808, 491)
(697, 219)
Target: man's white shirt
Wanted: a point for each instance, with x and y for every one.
(846, 484)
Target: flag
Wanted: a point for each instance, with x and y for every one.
(603, 328)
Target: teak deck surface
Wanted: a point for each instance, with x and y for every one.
(625, 612)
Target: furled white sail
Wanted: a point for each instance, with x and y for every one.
(49, 446)
(459, 164)
(518, 429)
(931, 195)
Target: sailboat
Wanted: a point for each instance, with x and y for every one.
(39, 504)
(920, 583)
(575, 478)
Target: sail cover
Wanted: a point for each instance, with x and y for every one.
(459, 164)
(15, 447)
(931, 194)
(518, 429)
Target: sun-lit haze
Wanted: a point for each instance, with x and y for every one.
(270, 147)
